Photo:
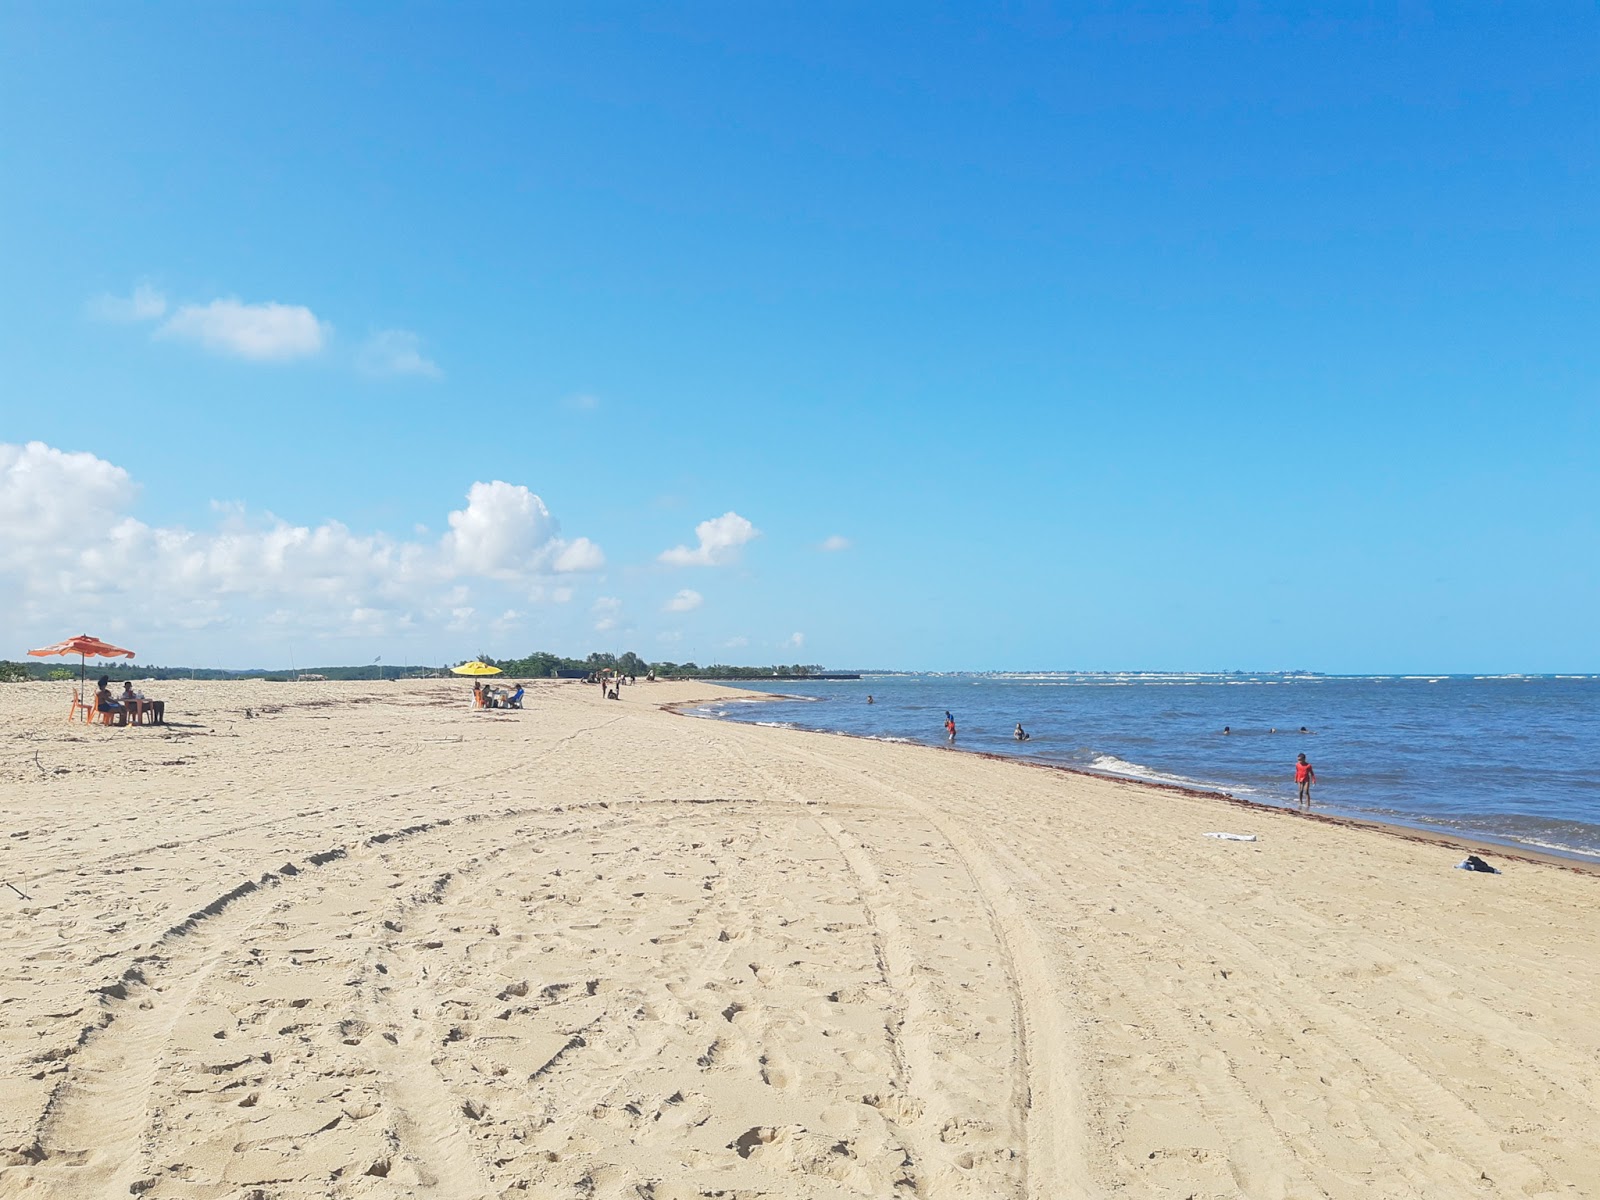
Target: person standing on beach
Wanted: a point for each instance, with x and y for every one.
(1304, 776)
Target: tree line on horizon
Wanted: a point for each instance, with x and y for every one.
(540, 664)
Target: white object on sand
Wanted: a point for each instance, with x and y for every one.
(1234, 837)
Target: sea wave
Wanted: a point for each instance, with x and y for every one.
(1110, 764)
(1557, 847)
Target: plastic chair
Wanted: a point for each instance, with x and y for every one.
(106, 715)
(78, 706)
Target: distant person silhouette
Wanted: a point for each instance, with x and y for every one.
(1226, 731)
(1021, 734)
(950, 727)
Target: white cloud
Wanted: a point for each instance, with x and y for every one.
(796, 640)
(834, 543)
(73, 554)
(269, 332)
(736, 643)
(503, 529)
(669, 636)
(395, 352)
(720, 539)
(606, 610)
(506, 531)
(145, 304)
(579, 554)
(49, 497)
(685, 601)
(561, 595)
(583, 402)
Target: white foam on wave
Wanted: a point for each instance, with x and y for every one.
(1558, 847)
(1110, 764)
(776, 724)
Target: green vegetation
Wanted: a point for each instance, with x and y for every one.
(541, 664)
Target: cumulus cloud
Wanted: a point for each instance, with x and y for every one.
(685, 601)
(797, 640)
(736, 643)
(269, 332)
(49, 496)
(507, 531)
(145, 304)
(720, 539)
(834, 543)
(73, 554)
(395, 352)
(502, 529)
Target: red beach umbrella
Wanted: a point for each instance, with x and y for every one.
(84, 647)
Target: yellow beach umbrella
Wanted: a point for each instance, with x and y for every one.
(475, 668)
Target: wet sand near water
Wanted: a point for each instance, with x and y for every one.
(368, 942)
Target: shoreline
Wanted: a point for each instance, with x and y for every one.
(1466, 843)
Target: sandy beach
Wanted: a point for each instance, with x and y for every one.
(323, 939)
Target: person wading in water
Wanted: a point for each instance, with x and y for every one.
(1304, 776)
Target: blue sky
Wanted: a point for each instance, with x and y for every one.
(1190, 336)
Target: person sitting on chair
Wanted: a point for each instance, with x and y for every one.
(107, 702)
(132, 701)
(515, 699)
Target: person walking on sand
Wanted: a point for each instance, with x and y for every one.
(1304, 777)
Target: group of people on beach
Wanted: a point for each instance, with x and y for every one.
(128, 705)
(611, 682)
(486, 695)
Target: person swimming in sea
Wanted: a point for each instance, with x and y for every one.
(1226, 731)
(869, 698)
(1021, 734)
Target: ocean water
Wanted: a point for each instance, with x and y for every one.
(1507, 759)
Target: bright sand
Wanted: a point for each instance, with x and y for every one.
(367, 942)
